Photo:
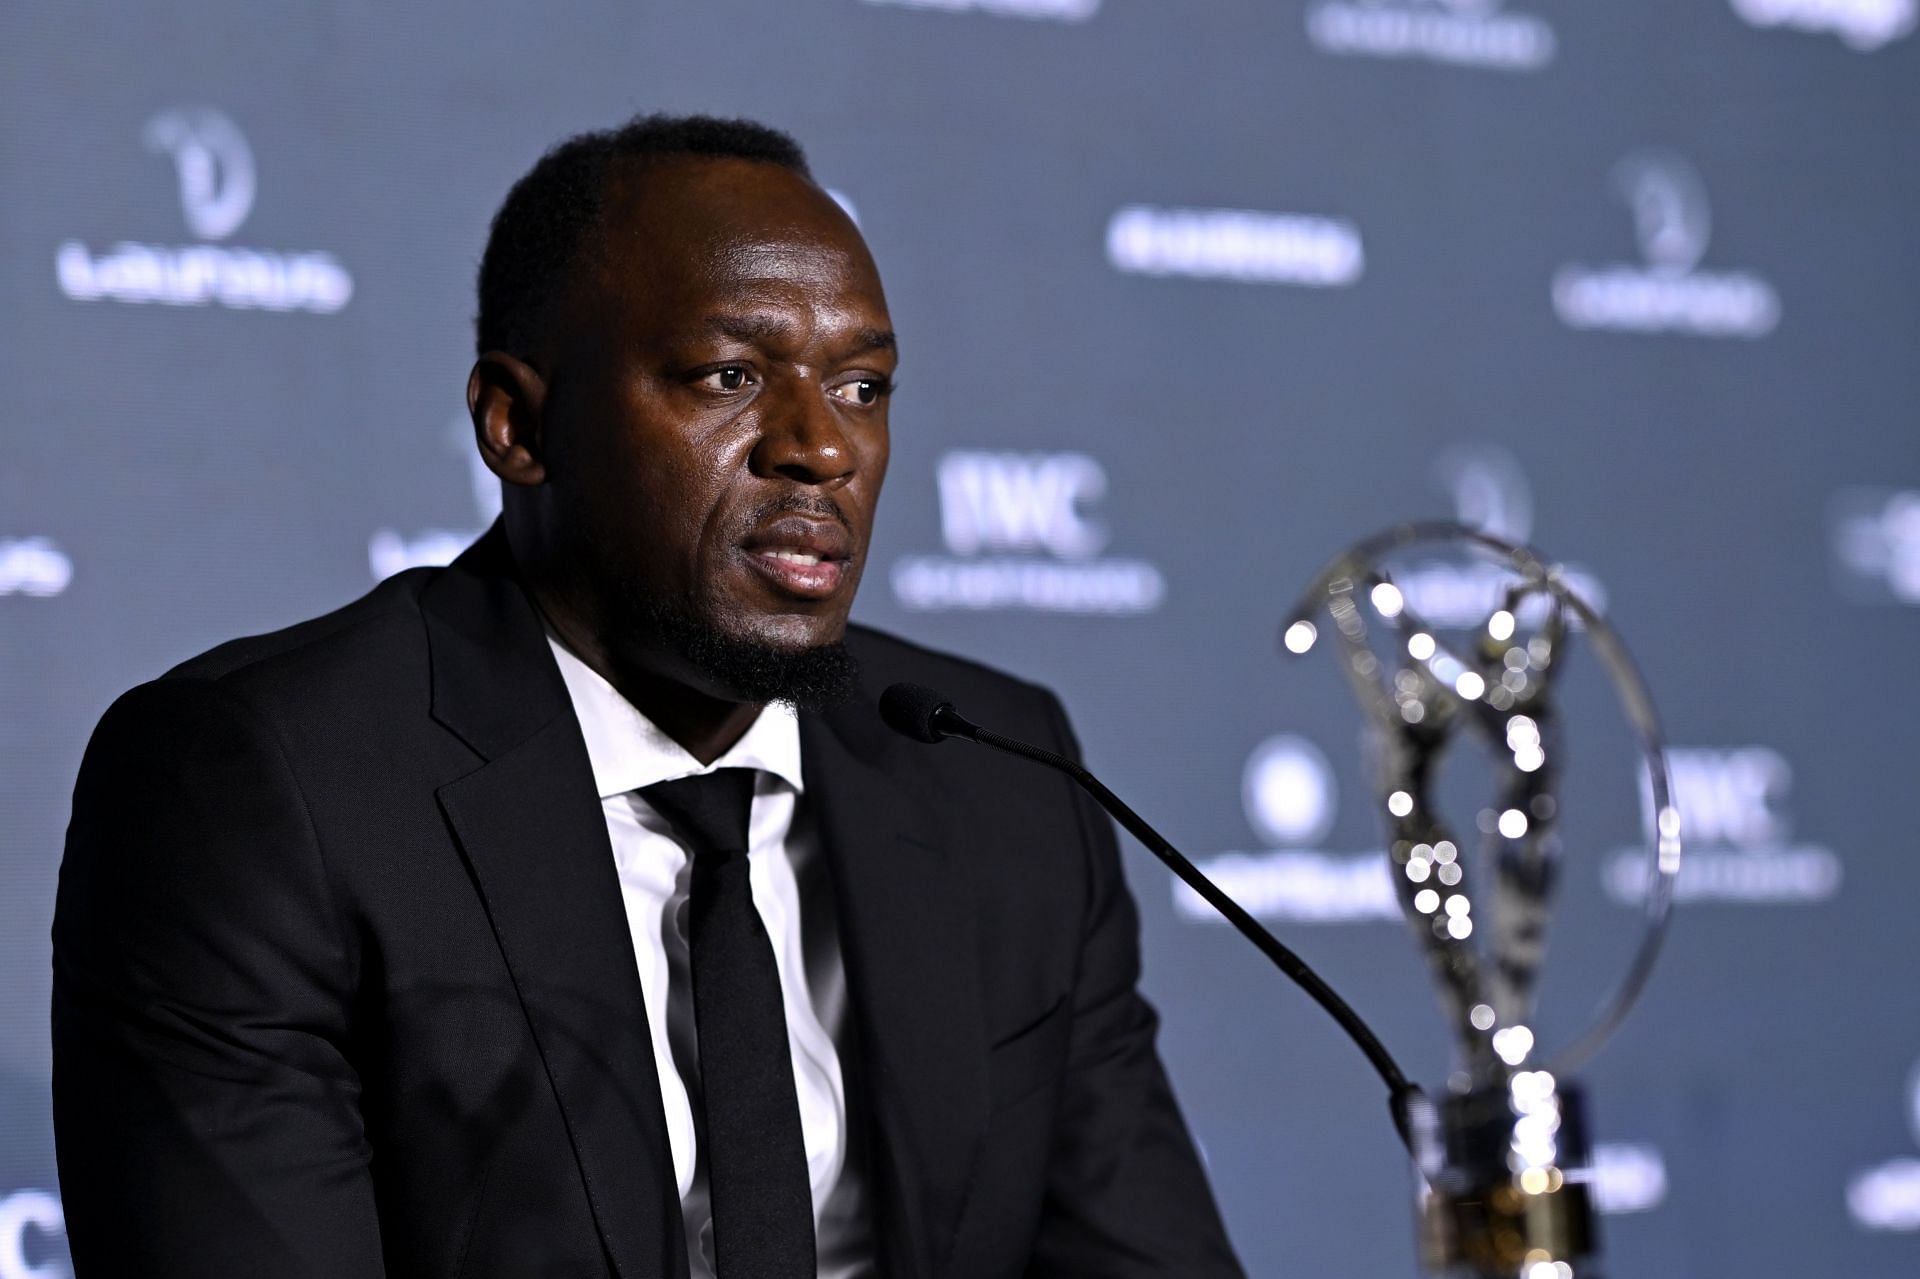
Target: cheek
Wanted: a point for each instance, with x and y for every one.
(660, 477)
(873, 474)
(876, 452)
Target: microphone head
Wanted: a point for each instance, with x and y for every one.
(911, 710)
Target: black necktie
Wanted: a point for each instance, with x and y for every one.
(757, 1178)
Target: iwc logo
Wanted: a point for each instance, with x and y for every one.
(1740, 846)
(1887, 1197)
(214, 168)
(1876, 544)
(1021, 534)
(1463, 33)
(1669, 293)
(1864, 25)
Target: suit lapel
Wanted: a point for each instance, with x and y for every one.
(530, 826)
(907, 938)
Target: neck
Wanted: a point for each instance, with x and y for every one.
(704, 725)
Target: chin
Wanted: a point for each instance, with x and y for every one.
(786, 633)
(799, 660)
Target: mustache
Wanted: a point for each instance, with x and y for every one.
(817, 505)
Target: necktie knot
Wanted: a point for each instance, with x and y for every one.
(709, 812)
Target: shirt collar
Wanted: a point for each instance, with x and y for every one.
(628, 751)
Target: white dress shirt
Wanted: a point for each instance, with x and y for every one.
(628, 752)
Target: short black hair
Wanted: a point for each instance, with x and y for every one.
(548, 216)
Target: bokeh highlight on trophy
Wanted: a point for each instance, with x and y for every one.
(1502, 1153)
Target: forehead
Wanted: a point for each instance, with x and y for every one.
(693, 231)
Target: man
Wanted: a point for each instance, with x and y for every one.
(512, 920)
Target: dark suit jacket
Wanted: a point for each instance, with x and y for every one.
(343, 984)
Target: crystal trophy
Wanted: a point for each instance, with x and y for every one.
(1502, 1155)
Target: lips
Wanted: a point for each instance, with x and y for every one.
(803, 557)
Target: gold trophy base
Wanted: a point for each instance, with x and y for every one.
(1489, 1207)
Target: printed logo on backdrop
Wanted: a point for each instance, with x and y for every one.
(1740, 845)
(31, 1221)
(391, 551)
(1876, 544)
(1289, 793)
(1045, 10)
(1887, 1197)
(33, 566)
(1288, 787)
(1489, 491)
(1626, 1177)
(1245, 246)
(1864, 25)
(1021, 534)
(1479, 34)
(214, 169)
(1668, 292)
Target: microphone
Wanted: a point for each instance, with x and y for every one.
(916, 711)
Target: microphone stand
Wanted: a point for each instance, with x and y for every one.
(925, 716)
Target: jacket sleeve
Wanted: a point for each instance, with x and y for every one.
(1126, 1195)
(205, 1103)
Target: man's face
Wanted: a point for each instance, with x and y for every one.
(715, 424)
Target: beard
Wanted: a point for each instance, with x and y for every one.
(808, 679)
(748, 668)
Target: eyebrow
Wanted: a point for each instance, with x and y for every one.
(758, 328)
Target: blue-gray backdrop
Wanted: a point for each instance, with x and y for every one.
(1190, 294)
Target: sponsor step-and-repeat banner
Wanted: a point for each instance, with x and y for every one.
(1190, 296)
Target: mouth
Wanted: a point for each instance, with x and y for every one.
(806, 559)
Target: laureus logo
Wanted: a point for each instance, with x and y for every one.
(1669, 292)
(1863, 25)
(1475, 34)
(1021, 533)
(1489, 491)
(1668, 201)
(214, 168)
(1887, 1197)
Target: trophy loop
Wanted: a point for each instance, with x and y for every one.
(1503, 690)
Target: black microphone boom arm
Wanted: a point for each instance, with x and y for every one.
(924, 715)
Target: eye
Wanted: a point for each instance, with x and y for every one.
(732, 378)
(863, 391)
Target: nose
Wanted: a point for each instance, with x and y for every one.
(803, 439)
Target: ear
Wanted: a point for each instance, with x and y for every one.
(504, 397)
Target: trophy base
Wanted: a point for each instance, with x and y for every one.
(1504, 1191)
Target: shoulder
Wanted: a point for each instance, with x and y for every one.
(1010, 704)
(368, 653)
(379, 621)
